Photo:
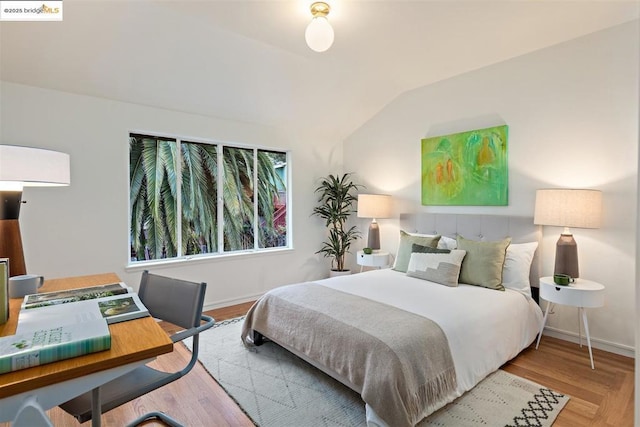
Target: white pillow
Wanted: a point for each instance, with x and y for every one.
(447, 243)
(444, 242)
(443, 268)
(517, 266)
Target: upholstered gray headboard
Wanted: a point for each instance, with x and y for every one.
(479, 227)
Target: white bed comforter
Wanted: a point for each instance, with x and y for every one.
(485, 327)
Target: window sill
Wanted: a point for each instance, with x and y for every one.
(202, 259)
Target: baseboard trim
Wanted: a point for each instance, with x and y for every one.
(231, 301)
(611, 347)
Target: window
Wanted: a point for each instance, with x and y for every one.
(195, 198)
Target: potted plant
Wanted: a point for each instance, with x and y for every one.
(335, 207)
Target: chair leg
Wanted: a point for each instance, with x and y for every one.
(159, 415)
(31, 414)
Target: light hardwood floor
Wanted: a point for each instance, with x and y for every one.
(600, 397)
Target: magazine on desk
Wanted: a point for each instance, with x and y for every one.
(74, 295)
(52, 343)
(113, 309)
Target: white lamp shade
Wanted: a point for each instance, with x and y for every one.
(319, 34)
(32, 167)
(565, 207)
(374, 206)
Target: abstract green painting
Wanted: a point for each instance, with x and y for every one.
(466, 169)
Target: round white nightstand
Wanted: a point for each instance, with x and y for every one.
(582, 294)
(376, 259)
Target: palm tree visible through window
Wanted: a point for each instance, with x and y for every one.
(174, 203)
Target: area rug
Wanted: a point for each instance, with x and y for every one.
(277, 389)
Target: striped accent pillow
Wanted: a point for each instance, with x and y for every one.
(442, 268)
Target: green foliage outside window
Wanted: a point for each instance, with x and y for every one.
(163, 228)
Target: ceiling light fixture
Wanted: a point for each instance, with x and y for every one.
(319, 33)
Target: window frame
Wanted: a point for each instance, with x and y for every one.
(220, 252)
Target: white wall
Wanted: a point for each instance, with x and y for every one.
(83, 229)
(572, 112)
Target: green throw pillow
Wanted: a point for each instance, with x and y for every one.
(482, 265)
(404, 248)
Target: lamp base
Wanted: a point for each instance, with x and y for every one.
(567, 256)
(10, 238)
(373, 240)
(11, 246)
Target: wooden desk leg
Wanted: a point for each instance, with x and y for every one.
(96, 411)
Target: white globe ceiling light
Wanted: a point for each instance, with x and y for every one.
(319, 34)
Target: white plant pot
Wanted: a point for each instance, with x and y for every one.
(335, 273)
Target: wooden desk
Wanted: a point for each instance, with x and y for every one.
(133, 342)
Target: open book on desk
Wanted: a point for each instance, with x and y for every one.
(117, 308)
(74, 295)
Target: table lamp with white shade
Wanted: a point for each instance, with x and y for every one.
(374, 206)
(24, 167)
(565, 207)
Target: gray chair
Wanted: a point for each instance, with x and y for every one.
(176, 301)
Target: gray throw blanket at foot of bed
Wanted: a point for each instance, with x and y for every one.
(398, 361)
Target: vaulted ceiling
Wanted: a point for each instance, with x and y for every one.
(248, 61)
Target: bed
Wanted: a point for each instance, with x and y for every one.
(408, 339)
